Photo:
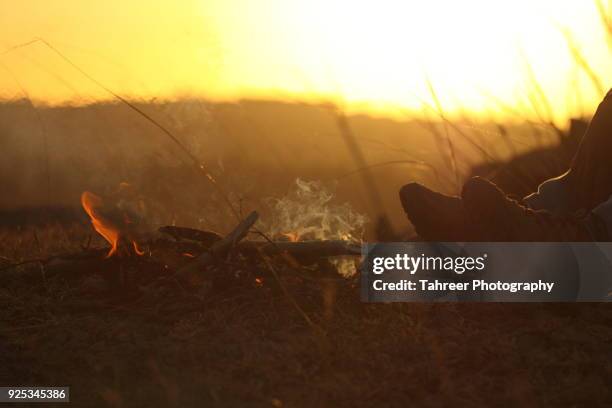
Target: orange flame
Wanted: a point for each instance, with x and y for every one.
(292, 236)
(92, 204)
(137, 250)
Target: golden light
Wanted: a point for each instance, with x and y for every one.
(385, 52)
(377, 56)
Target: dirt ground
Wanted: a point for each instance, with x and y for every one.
(246, 338)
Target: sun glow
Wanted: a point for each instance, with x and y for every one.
(382, 56)
(391, 52)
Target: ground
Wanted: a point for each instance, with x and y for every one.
(303, 342)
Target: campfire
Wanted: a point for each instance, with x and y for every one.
(181, 268)
(191, 256)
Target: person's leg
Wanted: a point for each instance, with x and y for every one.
(435, 216)
(495, 217)
(485, 213)
(588, 181)
(590, 176)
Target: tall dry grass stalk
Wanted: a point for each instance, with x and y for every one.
(582, 62)
(606, 19)
(449, 143)
(354, 148)
(538, 99)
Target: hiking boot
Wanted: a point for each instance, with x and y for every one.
(435, 216)
(495, 217)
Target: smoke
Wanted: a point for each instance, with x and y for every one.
(308, 212)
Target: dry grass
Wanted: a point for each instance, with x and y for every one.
(243, 344)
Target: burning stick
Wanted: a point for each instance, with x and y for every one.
(190, 271)
(298, 249)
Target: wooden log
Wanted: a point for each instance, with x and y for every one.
(191, 271)
(311, 249)
(191, 234)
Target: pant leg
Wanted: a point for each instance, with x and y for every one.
(589, 179)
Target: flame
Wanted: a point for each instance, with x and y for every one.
(292, 236)
(92, 204)
(137, 250)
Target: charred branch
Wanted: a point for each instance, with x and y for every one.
(218, 249)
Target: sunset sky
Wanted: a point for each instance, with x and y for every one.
(376, 56)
